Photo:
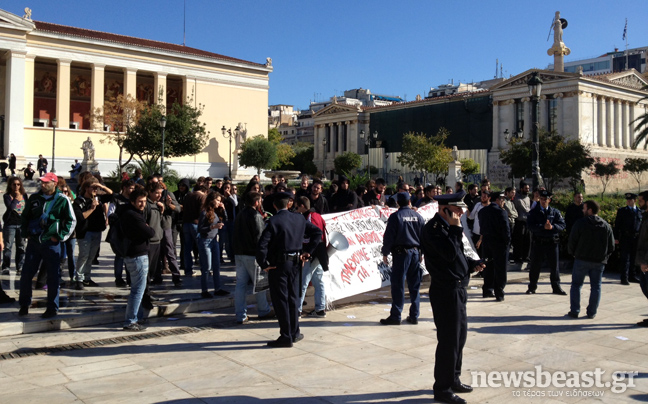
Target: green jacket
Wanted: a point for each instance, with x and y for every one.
(59, 223)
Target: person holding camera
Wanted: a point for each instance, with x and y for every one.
(48, 220)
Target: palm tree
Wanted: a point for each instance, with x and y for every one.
(641, 126)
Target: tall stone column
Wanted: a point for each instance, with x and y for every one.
(527, 117)
(560, 104)
(625, 124)
(97, 91)
(601, 121)
(609, 123)
(15, 103)
(159, 83)
(617, 123)
(595, 117)
(543, 117)
(496, 127)
(29, 89)
(130, 82)
(63, 93)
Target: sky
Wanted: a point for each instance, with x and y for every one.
(398, 47)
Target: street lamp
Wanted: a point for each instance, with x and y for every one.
(162, 123)
(227, 133)
(324, 159)
(535, 88)
(54, 122)
(367, 142)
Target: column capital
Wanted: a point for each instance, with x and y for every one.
(158, 74)
(129, 70)
(63, 62)
(98, 66)
(15, 54)
(526, 99)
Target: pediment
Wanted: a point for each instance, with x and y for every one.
(523, 78)
(12, 21)
(336, 109)
(630, 78)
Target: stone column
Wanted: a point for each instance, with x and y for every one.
(617, 123)
(63, 94)
(543, 115)
(496, 130)
(15, 103)
(29, 90)
(625, 124)
(159, 83)
(188, 90)
(130, 82)
(601, 121)
(633, 111)
(560, 115)
(595, 118)
(97, 97)
(609, 123)
(527, 117)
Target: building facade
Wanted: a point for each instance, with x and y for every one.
(51, 71)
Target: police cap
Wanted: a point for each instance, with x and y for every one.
(544, 193)
(496, 195)
(284, 195)
(402, 198)
(455, 199)
(630, 195)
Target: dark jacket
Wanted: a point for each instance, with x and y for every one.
(344, 200)
(642, 242)
(135, 228)
(14, 209)
(403, 230)
(627, 223)
(153, 218)
(572, 214)
(180, 198)
(169, 214)
(442, 246)
(320, 205)
(494, 224)
(96, 222)
(248, 227)
(591, 239)
(285, 233)
(537, 219)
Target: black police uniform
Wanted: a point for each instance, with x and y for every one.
(449, 270)
(280, 246)
(544, 245)
(496, 239)
(626, 230)
(402, 240)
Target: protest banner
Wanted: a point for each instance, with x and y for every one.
(360, 268)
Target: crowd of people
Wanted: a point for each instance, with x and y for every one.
(279, 230)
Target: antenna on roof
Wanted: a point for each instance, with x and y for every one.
(184, 24)
(496, 66)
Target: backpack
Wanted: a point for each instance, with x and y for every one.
(118, 241)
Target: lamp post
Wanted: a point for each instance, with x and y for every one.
(54, 123)
(535, 88)
(367, 142)
(324, 159)
(227, 133)
(162, 123)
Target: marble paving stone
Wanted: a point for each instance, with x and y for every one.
(51, 395)
(107, 385)
(157, 393)
(214, 385)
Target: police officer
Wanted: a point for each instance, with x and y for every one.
(449, 268)
(402, 240)
(280, 252)
(626, 231)
(545, 224)
(496, 238)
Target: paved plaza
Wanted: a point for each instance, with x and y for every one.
(347, 357)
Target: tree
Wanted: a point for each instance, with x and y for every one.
(184, 134)
(605, 172)
(119, 114)
(284, 151)
(469, 166)
(258, 152)
(303, 159)
(636, 168)
(427, 154)
(560, 159)
(347, 162)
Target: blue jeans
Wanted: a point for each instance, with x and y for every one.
(190, 233)
(314, 274)
(49, 253)
(67, 251)
(209, 260)
(88, 247)
(137, 267)
(595, 272)
(245, 271)
(10, 234)
(405, 266)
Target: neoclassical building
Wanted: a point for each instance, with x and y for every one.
(597, 110)
(54, 72)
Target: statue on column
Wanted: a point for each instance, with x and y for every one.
(559, 50)
(89, 163)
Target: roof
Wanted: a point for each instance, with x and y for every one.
(128, 40)
(465, 94)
